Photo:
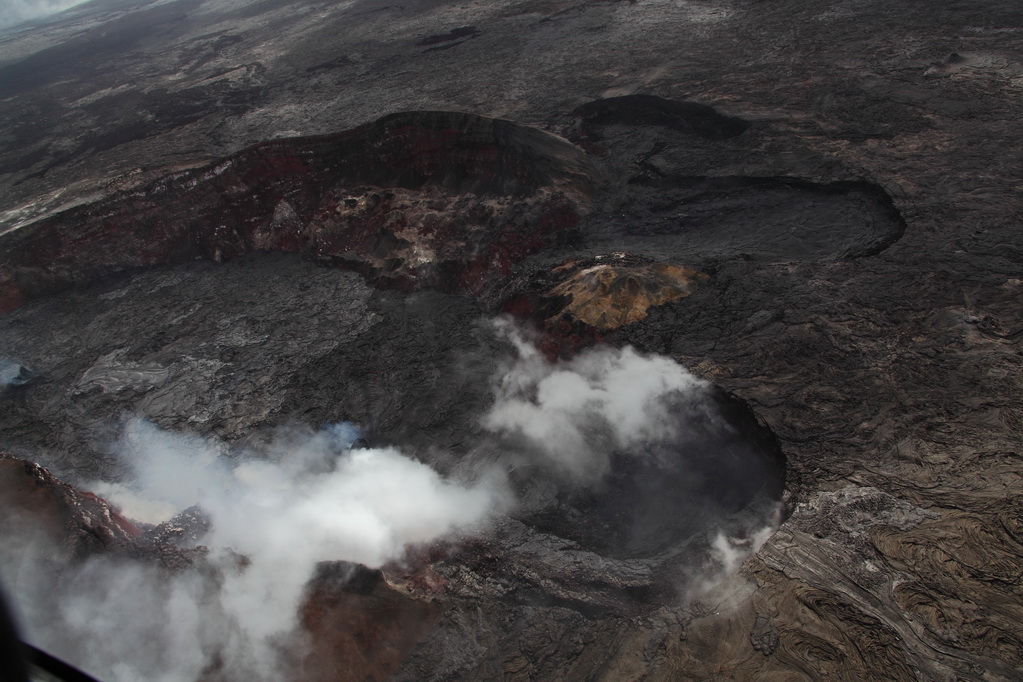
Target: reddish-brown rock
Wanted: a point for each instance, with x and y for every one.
(80, 523)
(415, 199)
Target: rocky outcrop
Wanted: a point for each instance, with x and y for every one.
(357, 625)
(360, 626)
(77, 523)
(607, 295)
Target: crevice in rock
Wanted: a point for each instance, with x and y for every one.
(459, 34)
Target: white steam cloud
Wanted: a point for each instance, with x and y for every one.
(361, 505)
(13, 374)
(272, 522)
(577, 413)
(14, 12)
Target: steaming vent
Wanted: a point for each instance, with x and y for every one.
(659, 498)
(631, 457)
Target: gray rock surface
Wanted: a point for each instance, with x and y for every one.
(885, 357)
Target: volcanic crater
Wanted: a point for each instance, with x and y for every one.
(411, 231)
(813, 206)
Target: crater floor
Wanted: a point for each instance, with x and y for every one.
(238, 350)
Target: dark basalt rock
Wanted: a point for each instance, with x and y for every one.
(648, 110)
(88, 49)
(764, 219)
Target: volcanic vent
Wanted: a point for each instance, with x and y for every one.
(624, 464)
(657, 500)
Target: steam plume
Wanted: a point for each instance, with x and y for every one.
(272, 522)
(13, 374)
(576, 413)
(19, 11)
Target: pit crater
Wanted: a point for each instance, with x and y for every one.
(723, 471)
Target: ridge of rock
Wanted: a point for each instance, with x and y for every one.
(418, 199)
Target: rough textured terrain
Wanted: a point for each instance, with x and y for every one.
(852, 198)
